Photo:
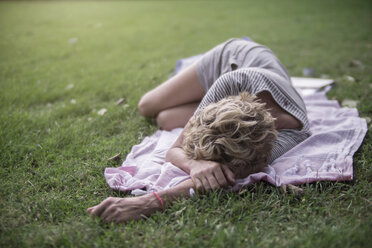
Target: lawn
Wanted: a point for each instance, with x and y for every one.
(62, 62)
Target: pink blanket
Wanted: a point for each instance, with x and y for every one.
(327, 154)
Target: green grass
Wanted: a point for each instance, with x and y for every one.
(53, 152)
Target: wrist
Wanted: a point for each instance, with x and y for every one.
(191, 165)
(153, 203)
(160, 200)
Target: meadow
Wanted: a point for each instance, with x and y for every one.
(61, 62)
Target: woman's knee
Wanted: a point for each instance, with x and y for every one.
(164, 121)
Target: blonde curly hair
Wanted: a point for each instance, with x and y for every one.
(236, 131)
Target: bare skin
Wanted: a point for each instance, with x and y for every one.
(283, 120)
(174, 101)
(118, 210)
(172, 104)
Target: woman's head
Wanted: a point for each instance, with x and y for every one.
(236, 131)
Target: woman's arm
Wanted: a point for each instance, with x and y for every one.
(205, 174)
(115, 209)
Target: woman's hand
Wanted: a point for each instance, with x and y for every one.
(115, 209)
(208, 175)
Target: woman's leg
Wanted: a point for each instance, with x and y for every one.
(178, 116)
(182, 89)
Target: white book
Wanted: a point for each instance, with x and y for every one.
(310, 83)
(308, 86)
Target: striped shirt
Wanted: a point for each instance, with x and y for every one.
(269, 77)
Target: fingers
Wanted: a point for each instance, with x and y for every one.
(228, 174)
(198, 184)
(202, 183)
(100, 208)
(220, 178)
(118, 210)
(213, 176)
(206, 184)
(108, 213)
(213, 182)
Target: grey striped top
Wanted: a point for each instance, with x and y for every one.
(271, 77)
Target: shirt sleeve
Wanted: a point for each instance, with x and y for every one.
(231, 84)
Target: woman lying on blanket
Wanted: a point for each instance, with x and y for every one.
(239, 112)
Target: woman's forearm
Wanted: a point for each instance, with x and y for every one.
(178, 191)
(177, 157)
(133, 208)
(204, 174)
(115, 209)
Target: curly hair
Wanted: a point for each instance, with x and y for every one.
(236, 131)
